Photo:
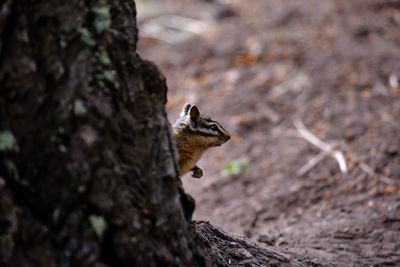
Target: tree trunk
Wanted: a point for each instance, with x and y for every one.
(88, 171)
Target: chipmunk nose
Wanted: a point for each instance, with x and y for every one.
(227, 137)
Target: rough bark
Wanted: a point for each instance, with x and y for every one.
(223, 249)
(89, 175)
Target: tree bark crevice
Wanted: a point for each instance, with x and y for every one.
(7, 22)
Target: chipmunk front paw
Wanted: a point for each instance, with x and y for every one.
(196, 172)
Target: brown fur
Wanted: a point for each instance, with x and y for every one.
(191, 142)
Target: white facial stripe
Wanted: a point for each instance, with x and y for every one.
(205, 130)
(219, 127)
(221, 130)
(213, 123)
(208, 132)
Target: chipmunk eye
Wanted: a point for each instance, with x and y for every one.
(213, 127)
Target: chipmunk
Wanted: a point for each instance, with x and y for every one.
(193, 135)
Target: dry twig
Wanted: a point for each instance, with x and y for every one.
(327, 149)
(311, 163)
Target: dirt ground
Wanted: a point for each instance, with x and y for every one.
(256, 66)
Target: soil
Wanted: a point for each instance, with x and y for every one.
(258, 65)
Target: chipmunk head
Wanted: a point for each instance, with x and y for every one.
(204, 131)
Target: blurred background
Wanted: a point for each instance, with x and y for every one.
(257, 66)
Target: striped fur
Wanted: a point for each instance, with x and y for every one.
(194, 134)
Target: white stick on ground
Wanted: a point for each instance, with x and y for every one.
(327, 148)
(311, 163)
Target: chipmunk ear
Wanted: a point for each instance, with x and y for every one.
(194, 114)
(185, 110)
